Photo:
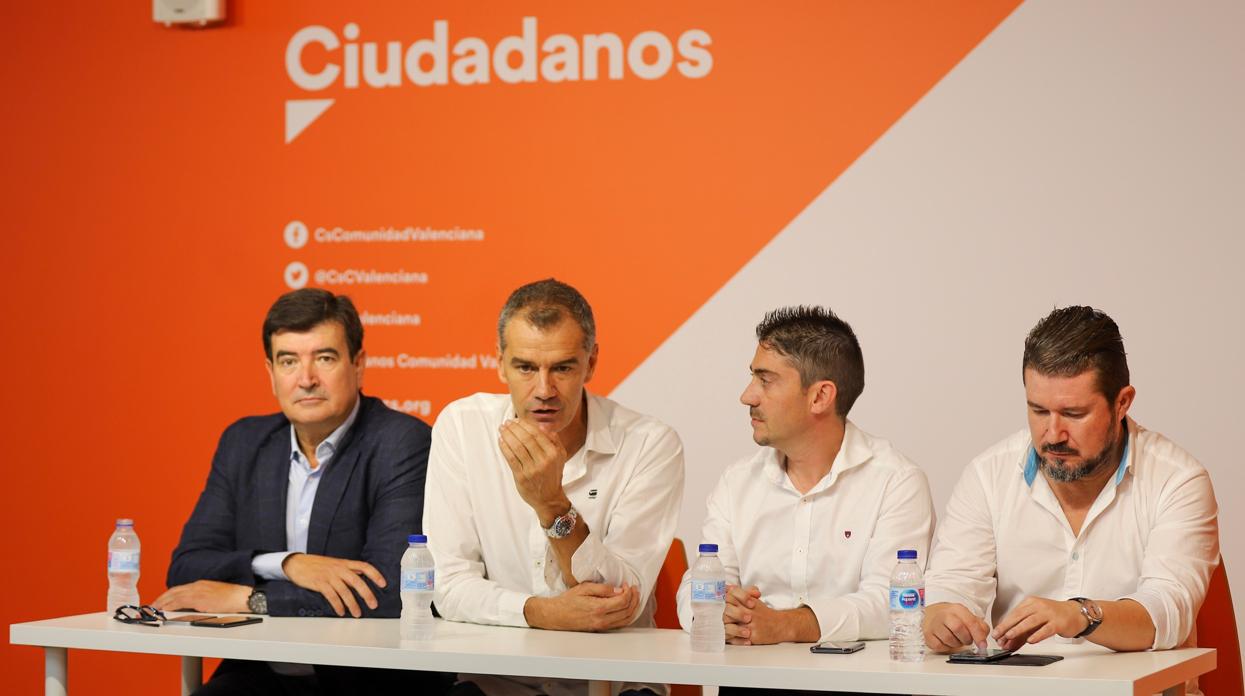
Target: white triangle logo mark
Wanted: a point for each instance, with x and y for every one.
(300, 113)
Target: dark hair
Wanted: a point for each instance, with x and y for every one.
(545, 303)
(821, 346)
(1071, 340)
(305, 309)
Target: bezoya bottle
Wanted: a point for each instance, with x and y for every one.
(124, 551)
(708, 601)
(907, 605)
(419, 577)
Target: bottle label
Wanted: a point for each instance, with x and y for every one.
(419, 579)
(708, 591)
(907, 598)
(123, 561)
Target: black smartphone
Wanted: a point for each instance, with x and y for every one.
(972, 657)
(831, 647)
(189, 618)
(227, 621)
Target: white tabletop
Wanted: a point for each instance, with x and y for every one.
(645, 655)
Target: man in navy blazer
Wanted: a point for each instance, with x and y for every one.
(306, 512)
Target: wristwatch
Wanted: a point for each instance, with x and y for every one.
(562, 525)
(1092, 612)
(257, 603)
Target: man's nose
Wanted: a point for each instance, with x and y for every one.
(748, 397)
(545, 388)
(308, 377)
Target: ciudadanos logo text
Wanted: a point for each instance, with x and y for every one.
(446, 58)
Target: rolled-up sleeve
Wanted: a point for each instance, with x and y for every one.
(1181, 552)
(963, 563)
(462, 592)
(631, 551)
(905, 522)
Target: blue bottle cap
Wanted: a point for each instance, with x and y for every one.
(417, 539)
(708, 548)
(125, 522)
(907, 555)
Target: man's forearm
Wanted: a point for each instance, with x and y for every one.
(800, 625)
(1126, 626)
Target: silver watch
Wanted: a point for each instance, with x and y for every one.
(257, 603)
(562, 525)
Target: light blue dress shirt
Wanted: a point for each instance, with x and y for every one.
(299, 498)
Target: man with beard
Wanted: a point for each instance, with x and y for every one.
(1086, 526)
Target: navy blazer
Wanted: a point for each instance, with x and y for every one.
(370, 498)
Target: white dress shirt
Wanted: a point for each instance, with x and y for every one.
(1152, 536)
(831, 549)
(626, 483)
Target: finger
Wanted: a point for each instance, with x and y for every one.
(1042, 634)
(369, 570)
(596, 589)
(167, 598)
(535, 439)
(739, 641)
(343, 590)
(360, 588)
(754, 591)
(979, 631)
(737, 614)
(512, 433)
(1022, 630)
(516, 466)
(740, 597)
(334, 601)
(960, 633)
(737, 631)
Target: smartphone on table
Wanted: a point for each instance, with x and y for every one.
(975, 658)
(227, 621)
(834, 647)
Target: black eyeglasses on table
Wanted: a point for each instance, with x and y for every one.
(146, 615)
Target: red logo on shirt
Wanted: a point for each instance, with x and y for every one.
(847, 534)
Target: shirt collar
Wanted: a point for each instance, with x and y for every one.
(326, 449)
(853, 452)
(1031, 458)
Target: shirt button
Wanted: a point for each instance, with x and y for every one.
(539, 563)
(799, 550)
(1076, 556)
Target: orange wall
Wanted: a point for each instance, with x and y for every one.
(147, 184)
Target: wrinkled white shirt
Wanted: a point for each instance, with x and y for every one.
(491, 553)
(1152, 536)
(831, 549)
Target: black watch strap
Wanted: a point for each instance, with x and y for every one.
(1092, 613)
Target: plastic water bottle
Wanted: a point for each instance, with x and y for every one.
(907, 609)
(708, 601)
(419, 577)
(123, 556)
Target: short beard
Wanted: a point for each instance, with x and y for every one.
(1087, 468)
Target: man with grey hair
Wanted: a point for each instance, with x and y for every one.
(1085, 525)
(808, 527)
(549, 507)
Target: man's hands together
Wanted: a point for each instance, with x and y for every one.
(588, 606)
(949, 626)
(338, 579)
(750, 621)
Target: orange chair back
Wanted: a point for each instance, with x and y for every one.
(1216, 628)
(667, 586)
(666, 591)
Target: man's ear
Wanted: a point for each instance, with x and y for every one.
(272, 376)
(822, 397)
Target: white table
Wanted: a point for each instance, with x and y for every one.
(645, 655)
